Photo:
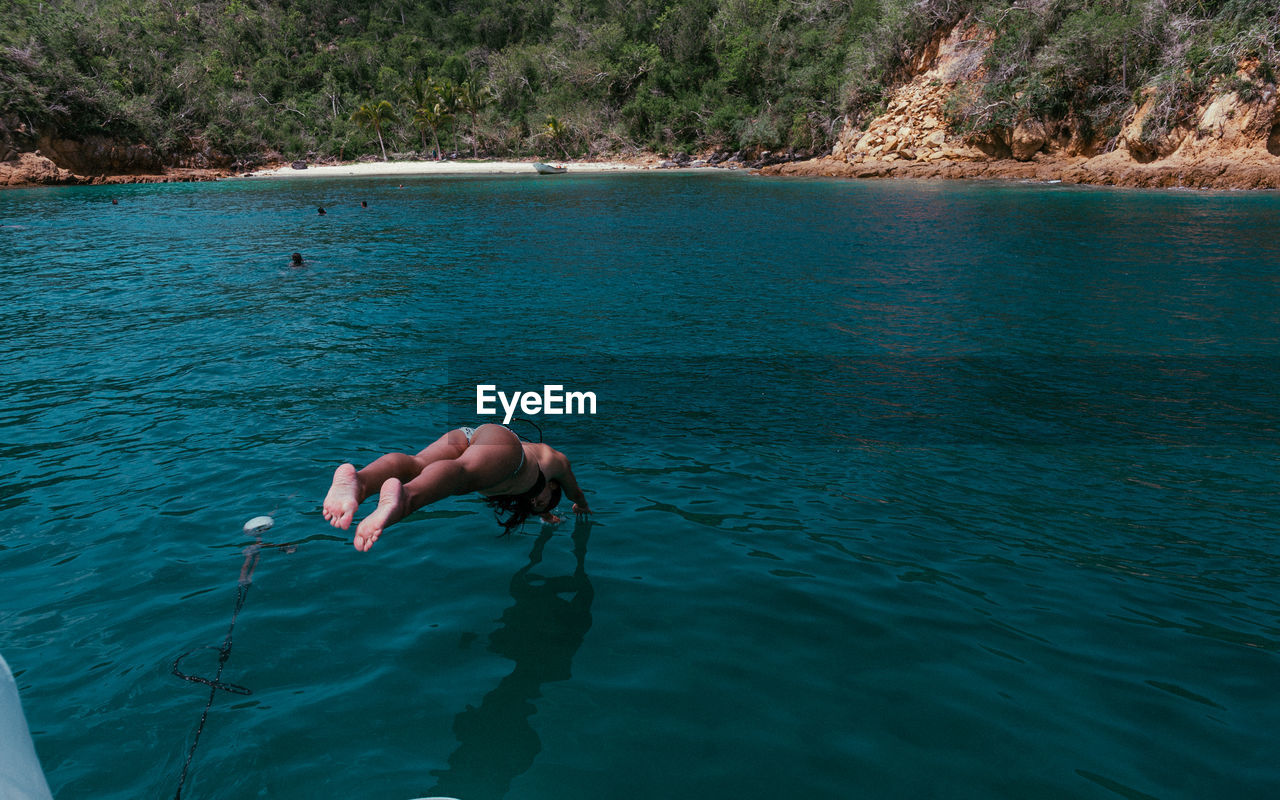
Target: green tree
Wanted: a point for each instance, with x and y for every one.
(557, 132)
(471, 100)
(430, 117)
(416, 94)
(371, 116)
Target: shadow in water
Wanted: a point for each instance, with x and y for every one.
(541, 633)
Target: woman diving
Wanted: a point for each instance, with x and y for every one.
(518, 479)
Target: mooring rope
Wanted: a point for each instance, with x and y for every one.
(251, 554)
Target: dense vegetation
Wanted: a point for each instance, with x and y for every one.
(566, 77)
(1086, 64)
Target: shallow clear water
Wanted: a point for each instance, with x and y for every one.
(901, 490)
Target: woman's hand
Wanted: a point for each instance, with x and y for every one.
(580, 509)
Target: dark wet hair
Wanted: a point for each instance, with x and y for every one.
(555, 497)
(519, 507)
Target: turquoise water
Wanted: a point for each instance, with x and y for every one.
(901, 490)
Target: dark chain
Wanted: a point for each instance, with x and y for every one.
(215, 683)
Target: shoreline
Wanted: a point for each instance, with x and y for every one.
(405, 169)
(1206, 174)
(32, 170)
(1211, 174)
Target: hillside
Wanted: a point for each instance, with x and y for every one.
(143, 88)
(1226, 137)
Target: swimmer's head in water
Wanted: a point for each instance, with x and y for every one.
(297, 258)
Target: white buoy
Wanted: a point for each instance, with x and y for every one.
(258, 524)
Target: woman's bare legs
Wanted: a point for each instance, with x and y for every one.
(406, 483)
(351, 488)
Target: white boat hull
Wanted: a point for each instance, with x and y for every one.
(20, 775)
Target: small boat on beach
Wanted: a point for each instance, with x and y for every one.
(549, 169)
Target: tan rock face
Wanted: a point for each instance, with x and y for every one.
(96, 155)
(1230, 126)
(1028, 139)
(30, 169)
(911, 127)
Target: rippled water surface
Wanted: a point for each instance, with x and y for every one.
(901, 490)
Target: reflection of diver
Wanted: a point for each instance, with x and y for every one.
(541, 633)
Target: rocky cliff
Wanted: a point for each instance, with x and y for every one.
(30, 160)
(1228, 143)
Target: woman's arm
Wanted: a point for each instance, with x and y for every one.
(557, 468)
(571, 489)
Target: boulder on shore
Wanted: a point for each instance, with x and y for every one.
(33, 169)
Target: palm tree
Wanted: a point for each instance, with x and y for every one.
(557, 132)
(417, 94)
(447, 98)
(370, 116)
(432, 116)
(472, 100)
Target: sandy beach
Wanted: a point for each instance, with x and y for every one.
(34, 169)
(421, 168)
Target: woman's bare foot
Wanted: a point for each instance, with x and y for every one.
(391, 505)
(344, 497)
